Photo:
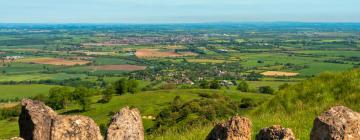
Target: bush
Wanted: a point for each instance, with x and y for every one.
(215, 84)
(243, 86)
(266, 90)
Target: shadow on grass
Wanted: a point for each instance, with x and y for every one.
(72, 112)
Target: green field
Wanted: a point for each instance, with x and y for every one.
(23, 91)
(36, 77)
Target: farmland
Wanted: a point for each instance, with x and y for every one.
(119, 67)
(214, 69)
(155, 53)
(55, 61)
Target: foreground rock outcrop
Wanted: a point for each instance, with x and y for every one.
(338, 123)
(74, 128)
(35, 120)
(237, 128)
(126, 125)
(275, 132)
(39, 122)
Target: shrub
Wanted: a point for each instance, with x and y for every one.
(266, 90)
(243, 86)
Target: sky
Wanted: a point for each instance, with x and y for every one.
(177, 11)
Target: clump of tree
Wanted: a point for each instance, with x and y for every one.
(123, 86)
(61, 97)
(253, 76)
(214, 84)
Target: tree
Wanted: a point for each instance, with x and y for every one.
(85, 103)
(59, 97)
(266, 90)
(215, 84)
(121, 86)
(243, 86)
(107, 94)
(81, 95)
(132, 86)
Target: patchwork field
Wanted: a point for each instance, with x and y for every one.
(279, 73)
(55, 61)
(119, 67)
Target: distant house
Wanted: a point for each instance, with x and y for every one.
(226, 83)
(12, 57)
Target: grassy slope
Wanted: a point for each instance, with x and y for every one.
(149, 103)
(296, 107)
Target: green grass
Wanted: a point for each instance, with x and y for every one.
(22, 91)
(11, 129)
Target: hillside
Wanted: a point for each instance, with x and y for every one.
(296, 106)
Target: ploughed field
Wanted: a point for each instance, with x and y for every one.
(279, 73)
(55, 61)
(161, 53)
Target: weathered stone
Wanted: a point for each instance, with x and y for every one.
(126, 125)
(35, 120)
(237, 128)
(275, 132)
(16, 138)
(39, 122)
(74, 128)
(338, 123)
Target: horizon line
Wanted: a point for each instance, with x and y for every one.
(167, 23)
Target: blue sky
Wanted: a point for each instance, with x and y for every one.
(177, 11)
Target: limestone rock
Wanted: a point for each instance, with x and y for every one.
(126, 125)
(275, 132)
(74, 128)
(338, 123)
(39, 122)
(237, 128)
(35, 120)
(16, 138)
